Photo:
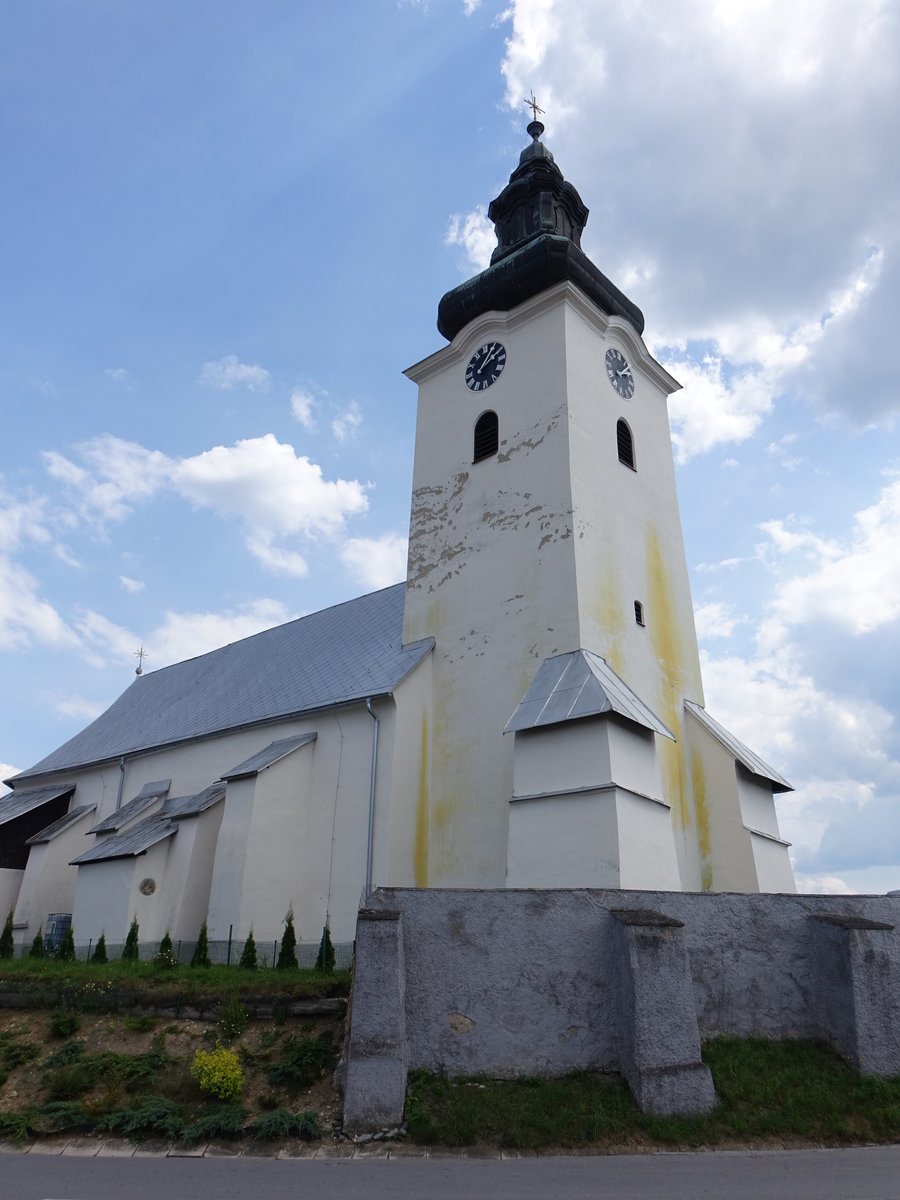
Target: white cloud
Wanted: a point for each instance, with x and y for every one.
(131, 585)
(476, 234)
(104, 640)
(119, 375)
(26, 619)
(229, 373)
(346, 424)
(185, 635)
(712, 409)
(376, 562)
(275, 559)
(78, 708)
(469, 6)
(302, 408)
(715, 620)
(7, 770)
(21, 521)
(118, 475)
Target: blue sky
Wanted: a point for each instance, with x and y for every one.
(224, 232)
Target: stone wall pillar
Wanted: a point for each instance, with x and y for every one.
(375, 1081)
(660, 1040)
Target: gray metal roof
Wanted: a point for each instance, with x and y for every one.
(149, 794)
(191, 806)
(139, 838)
(23, 800)
(753, 763)
(332, 657)
(60, 826)
(580, 684)
(272, 754)
(132, 842)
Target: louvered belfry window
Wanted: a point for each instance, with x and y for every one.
(625, 444)
(487, 435)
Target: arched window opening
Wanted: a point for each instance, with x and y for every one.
(639, 612)
(487, 436)
(625, 444)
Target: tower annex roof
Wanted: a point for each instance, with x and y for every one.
(337, 656)
(539, 218)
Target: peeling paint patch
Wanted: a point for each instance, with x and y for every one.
(460, 1023)
(566, 1035)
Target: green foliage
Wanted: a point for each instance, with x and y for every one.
(65, 951)
(131, 949)
(222, 1121)
(287, 957)
(37, 946)
(165, 958)
(142, 1024)
(59, 1115)
(18, 1124)
(99, 954)
(248, 954)
(200, 957)
(72, 1081)
(64, 1022)
(7, 946)
(304, 1061)
(284, 1124)
(325, 957)
(219, 1073)
(147, 1117)
(68, 1052)
(14, 1052)
(232, 1017)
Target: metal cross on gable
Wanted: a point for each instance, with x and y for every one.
(533, 105)
(140, 655)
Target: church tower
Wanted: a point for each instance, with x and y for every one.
(566, 742)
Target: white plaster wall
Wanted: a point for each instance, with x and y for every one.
(773, 865)
(403, 853)
(757, 802)
(559, 758)
(10, 883)
(727, 862)
(570, 838)
(647, 856)
(633, 758)
(226, 896)
(145, 909)
(189, 870)
(102, 893)
(49, 882)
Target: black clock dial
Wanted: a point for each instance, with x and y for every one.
(485, 366)
(619, 373)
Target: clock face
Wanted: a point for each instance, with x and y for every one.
(619, 373)
(485, 366)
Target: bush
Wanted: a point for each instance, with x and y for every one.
(130, 951)
(287, 958)
(304, 1061)
(149, 1116)
(37, 946)
(325, 957)
(232, 1016)
(283, 1124)
(65, 951)
(248, 954)
(99, 955)
(64, 1023)
(223, 1121)
(200, 957)
(7, 946)
(219, 1074)
(165, 958)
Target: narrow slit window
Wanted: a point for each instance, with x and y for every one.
(639, 612)
(625, 444)
(487, 436)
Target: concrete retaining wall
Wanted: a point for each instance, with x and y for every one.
(522, 982)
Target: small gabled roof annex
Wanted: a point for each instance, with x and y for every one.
(25, 800)
(337, 656)
(746, 757)
(129, 844)
(579, 684)
(148, 794)
(57, 827)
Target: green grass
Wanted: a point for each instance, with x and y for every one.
(88, 982)
(789, 1091)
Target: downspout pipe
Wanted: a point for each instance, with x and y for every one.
(371, 841)
(121, 783)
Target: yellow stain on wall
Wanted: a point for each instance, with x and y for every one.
(668, 647)
(420, 848)
(701, 806)
(610, 617)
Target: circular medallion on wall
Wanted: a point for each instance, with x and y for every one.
(147, 887)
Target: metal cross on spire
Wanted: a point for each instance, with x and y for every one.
(533, 105)
(140, 655)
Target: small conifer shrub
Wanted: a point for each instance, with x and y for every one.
(7, 946)
(287, 957)
(249, 960)
(65, 951)
(130, 951)
(99, 953)
(325, 957)
(200, 957)
(37, 946)
(165, 955)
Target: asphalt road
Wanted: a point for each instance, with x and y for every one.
(857, 1174)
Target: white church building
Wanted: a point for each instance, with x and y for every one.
(526, 710)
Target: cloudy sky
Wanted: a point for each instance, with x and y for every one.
(224, 231)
